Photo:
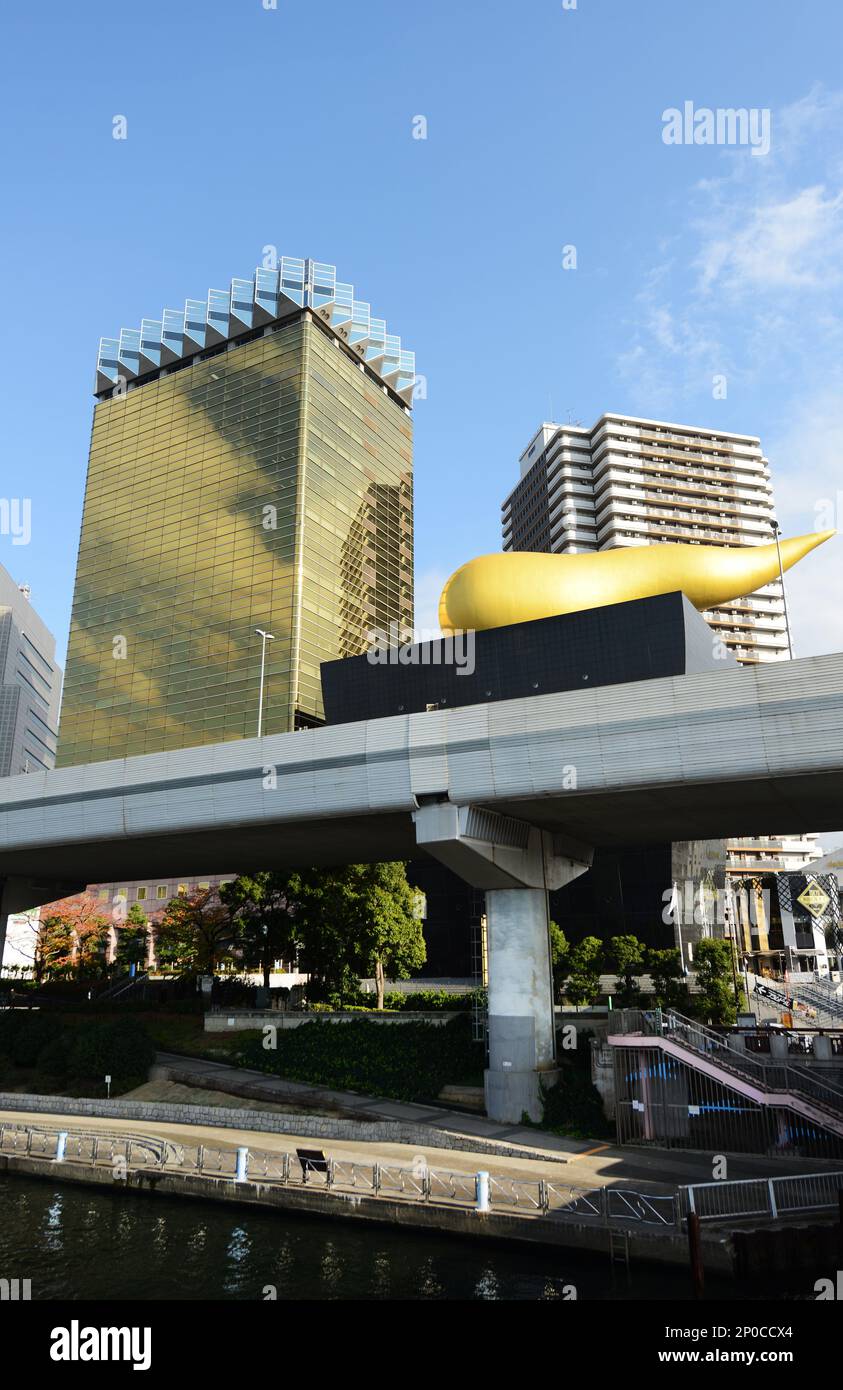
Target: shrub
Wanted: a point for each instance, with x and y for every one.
(428, 1001)
(573, 1107)
(122, 1049)
(408, 1061)
(53, 1059)
(24, 1035)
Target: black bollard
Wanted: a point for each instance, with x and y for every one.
(695, 1253)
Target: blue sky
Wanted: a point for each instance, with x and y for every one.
(293, 126)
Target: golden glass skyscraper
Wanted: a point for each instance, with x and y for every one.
(250, 466)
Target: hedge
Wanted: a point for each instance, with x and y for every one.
(83, 1052)
(409, 1063)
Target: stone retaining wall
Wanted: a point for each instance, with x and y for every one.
(265, 1122)
(237, 1020)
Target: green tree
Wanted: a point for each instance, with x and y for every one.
(133, 939)
(664, 967)
(585, 963)
(263, 909)
(56, 944)
(714, 968)
(359, 920)
(388, 923)
(195, 934)
(559, 950)
(625, 958)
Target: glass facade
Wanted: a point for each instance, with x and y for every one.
(267, 483)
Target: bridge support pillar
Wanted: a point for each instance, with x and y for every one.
(516, 864)
(522, 1033)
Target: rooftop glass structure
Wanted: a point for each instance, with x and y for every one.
(250, 306)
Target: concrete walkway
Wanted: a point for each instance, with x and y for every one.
(302, 1096)
(343, 1150)
(588, 1162)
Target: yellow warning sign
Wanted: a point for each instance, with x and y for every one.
(815, 899)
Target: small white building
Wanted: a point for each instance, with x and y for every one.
(20, 942)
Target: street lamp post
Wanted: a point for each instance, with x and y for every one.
(265, 637)
(778, 530)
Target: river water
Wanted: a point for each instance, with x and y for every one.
(79, 1243)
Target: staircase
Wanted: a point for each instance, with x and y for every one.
(824, 1000)
(775, 1084)
(125, 985)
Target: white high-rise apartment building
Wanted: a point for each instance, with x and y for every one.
(629, 481)
(30, 684)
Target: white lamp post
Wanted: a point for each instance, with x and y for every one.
(265, 637)
(777, 530)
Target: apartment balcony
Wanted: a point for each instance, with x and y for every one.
(670, 514)
(690, 469)
(756, 629)
(711, 444)
(707, 495)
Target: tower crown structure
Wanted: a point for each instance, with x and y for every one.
(246, 309)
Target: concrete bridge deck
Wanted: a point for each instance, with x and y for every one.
(688, 757)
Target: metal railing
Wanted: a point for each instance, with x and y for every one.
(771, 1077)
(542, 1197)
(124, 985)
(818, 999)
(102, 1147)
(821, 997)
(769, 1198)
(539, 1197)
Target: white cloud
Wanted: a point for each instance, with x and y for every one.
(748, 281)
(807, 460)
(795, 243)
(748, 284)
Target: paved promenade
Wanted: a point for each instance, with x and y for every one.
(587, 1162)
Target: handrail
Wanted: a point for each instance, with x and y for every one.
(828, 1002)
(123, 985)
(767, 1076)
(766, 1197)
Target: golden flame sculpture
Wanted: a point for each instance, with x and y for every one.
(518, 586)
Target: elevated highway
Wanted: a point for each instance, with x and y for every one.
(513, 795)
(701, 756)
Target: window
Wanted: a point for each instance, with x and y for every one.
(140, 894)
(161, 890)
(182, 890)
(102, 894)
